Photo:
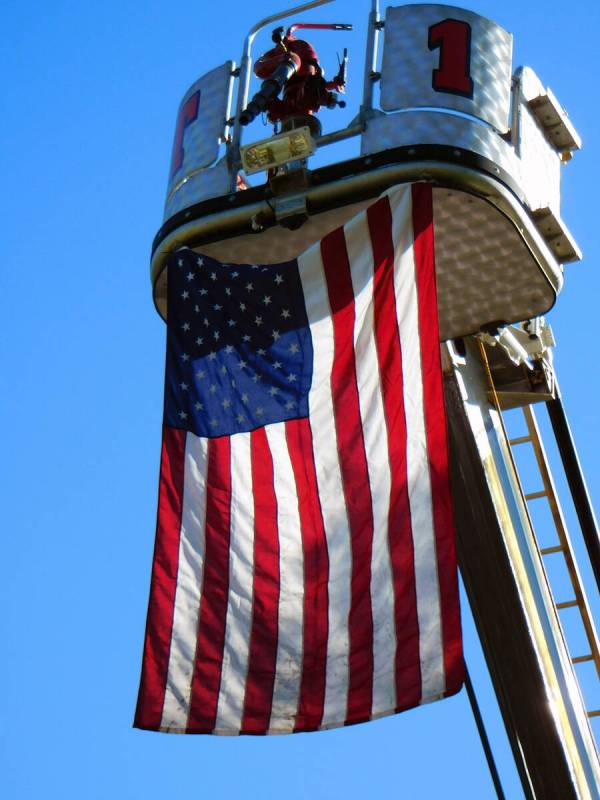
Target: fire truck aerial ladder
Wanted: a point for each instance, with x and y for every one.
(449, 109)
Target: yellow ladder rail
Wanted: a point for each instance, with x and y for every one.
(565, 547)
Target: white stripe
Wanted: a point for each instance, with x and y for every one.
(419, 485)
(372, 413)
(288, 672)
(329, 482)
(238, 625)
(190, 569)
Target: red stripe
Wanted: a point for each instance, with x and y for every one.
(262, 658)
(164, 582)
(316, 576)
(435, 424)
(389, 356)
(355, 476)
(213, 603)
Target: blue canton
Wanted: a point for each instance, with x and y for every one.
(239, 350)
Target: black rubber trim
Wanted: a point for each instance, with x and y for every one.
(335, 172)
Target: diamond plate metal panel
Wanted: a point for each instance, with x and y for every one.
(200, 124)
(485, 272)
(204, 185)
(434, 127)
(420, 53)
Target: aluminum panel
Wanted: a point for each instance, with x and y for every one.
(385, 131)
(204, 185)
(431, 51)
(201, 120)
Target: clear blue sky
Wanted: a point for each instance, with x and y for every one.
(89, 98)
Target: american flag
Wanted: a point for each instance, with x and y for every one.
(304, 572)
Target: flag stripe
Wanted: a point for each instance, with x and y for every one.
(263, 641)
(407, 671)
(239, 601)
(419, 487)
(164, 582)
(355, 477)
(316, 575)
(372, 412)
(286, 689)
(213, 605)
(330, 489)
(435, 426)
(189, 583)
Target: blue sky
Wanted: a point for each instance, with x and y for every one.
(90, 94)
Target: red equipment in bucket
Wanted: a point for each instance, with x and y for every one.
(293, 66)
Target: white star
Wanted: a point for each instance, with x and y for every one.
(258, 320)
(277, 365)
(233, 383)
(223, 370)
(261, 352)
(249, 287)
(190, 276)
(291, 377)
(231, 323)
(217, 307)
(200, 262)
(197, 309)
(289, 405)
(226, 403)
(228, 291)
(183, 415)
(213, 276)
(273, 391)
(212, 355)
(245, 398)
(246, 338)
(203, 291)
(183, 387)
(185, 357)
(180, 262)
(229, 348)
(266, 299)
(234, 274)
(259, 411)
(216, 334)
(199, 341)
(255, 378)
(213, 388)
(240, 418)
(242, 306)
(278, 279)
(275, 335)
(242, 364)
(285, 313)
(293, 348)
(254, 266)
(201, 374)
(199, 407)
(185, 326)
(205, 322)
(213, 423)
(185, 295)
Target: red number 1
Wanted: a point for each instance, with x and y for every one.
(453, 37)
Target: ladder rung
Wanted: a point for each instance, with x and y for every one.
(520, 440)
(568, 604)
(593, 713)
(581, 659)
(535, 495)
(556, 549)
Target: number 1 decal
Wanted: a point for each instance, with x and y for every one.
(453, 75)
